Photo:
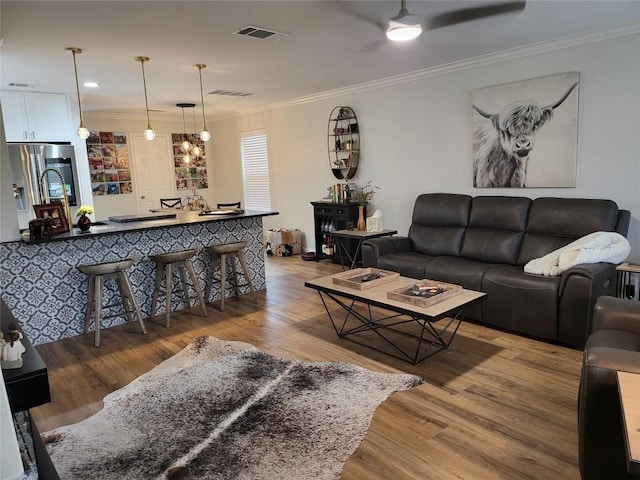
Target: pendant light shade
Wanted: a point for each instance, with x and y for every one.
(149, 133)
(205, 136)
(83, 132)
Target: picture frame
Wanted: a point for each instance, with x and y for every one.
(55, 211)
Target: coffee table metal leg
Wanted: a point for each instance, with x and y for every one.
(429, 336)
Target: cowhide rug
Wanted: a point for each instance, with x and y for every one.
(225, 410)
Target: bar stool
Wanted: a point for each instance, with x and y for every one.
(98, 274)
(164, 265)
(233, 251)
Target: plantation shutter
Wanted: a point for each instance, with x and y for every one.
(255, 171)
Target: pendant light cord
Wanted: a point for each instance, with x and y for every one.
(146, 102)
(204, 121)
(75, 69)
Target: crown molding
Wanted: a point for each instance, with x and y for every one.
(482, 60)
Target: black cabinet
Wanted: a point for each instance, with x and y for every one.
(28, 387)
(328, 217)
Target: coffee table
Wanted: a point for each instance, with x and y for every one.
(355, 317)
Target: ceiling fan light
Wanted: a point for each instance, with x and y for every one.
(402, 33)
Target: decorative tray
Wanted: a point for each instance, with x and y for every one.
(425, 293)
(364, 278)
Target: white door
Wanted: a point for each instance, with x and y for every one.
(153, 171)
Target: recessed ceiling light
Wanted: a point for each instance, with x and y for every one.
(91, 84)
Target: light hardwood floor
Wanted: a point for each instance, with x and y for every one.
(493, 406)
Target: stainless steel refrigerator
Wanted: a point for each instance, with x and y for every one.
(31, 171)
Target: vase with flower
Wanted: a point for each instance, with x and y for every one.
(84, 222)
(363, 195)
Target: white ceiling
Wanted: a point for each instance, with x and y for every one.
(331, 45)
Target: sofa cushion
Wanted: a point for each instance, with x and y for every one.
(459, 271)
(521, 302)
(496, 228)
(439, 223)
(556, 222)
(407, 264)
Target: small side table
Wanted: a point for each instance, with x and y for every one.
(629, 390)
(625, 288)
(343, 236)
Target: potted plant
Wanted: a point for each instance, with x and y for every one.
(363, 195)
(84, 223)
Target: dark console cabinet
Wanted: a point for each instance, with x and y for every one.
(328, 217)
(28, 387)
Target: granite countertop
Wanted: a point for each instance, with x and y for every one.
(106, 227)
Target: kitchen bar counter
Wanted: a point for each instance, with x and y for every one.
(105, 227)
(47, 294)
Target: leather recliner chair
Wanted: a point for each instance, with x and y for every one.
(614, 345)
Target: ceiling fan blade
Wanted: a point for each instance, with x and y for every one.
(472, 13)
(347, 9)
(374, 46)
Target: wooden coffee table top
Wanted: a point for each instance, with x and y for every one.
(377, 296)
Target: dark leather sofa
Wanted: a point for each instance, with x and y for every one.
(483, 243)
(614, 345)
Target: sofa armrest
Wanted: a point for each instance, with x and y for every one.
(580, 287)
(612, 313)
(376, 247)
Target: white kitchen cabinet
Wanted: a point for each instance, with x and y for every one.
(36, 117)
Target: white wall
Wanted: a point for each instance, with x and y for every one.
(416, 136)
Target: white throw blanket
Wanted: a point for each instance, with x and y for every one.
(596, 247)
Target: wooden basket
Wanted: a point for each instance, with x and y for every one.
(446, 291)
(354, 278)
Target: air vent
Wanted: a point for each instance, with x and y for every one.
(261, 33)
(229, 93)
(19, 85)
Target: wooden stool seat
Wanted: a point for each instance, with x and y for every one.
(222, 252)
(165, 263)
(105, 268)
(98, 274)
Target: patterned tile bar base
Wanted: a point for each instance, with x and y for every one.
(48, 295)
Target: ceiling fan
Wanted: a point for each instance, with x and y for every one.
(406, 26)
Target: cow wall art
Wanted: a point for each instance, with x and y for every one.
(525, 133)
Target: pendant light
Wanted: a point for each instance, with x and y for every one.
(196, 150)
(186, 145)
(205, 136)
(149, 133)
(83, 132)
